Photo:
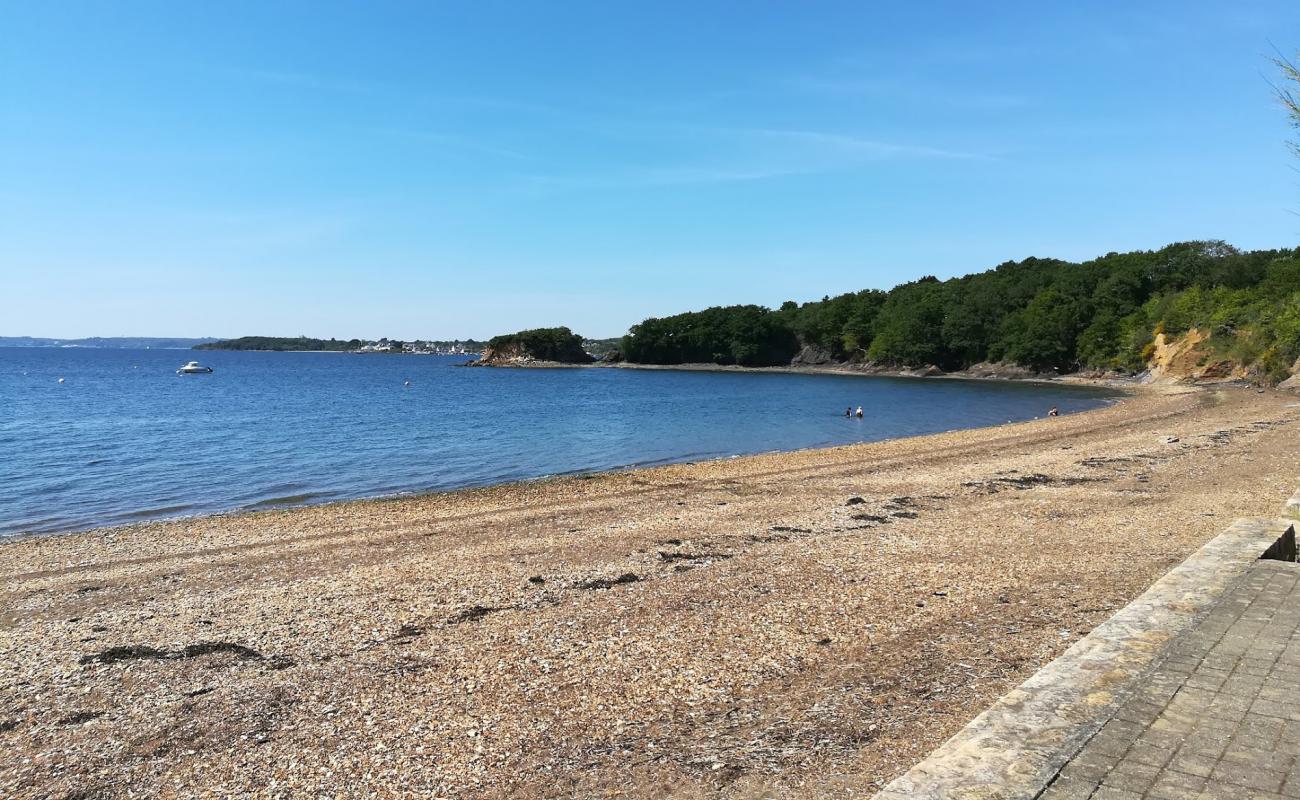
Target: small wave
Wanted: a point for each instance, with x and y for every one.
(285, 500)
(161, 511)
(685, 458)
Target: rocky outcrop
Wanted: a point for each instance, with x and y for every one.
(539, 346)
(989, 369)
(810, 355)
(1292, 383)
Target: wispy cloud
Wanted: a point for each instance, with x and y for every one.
(740, 155)
(911, 91)
(657, 151)
(856, 148)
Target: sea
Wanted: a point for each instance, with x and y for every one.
(99, 437)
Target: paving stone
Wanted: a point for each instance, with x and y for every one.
(1219, 718)
(1176, 786)
(1133, 777)
(1216, 717)
(1246, 775)
(1193, 764)
(1069, 789)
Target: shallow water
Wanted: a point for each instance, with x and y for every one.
(124, 438)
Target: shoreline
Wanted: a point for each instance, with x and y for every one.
(1126, 392)
(779, 625)
(1012, 373)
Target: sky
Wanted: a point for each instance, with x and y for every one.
(463, 169)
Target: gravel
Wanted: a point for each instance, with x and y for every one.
(724, 629)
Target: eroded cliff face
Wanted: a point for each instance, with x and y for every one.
(517, 354)
(506, 355)
(1189, 358)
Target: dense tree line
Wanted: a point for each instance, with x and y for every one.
(1040, 313)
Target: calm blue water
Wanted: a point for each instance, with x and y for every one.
(125, 439)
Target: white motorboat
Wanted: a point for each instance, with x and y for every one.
(193, 368)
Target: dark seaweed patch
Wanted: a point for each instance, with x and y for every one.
(872, 518)
(132, 652)
(692, 556)
(472, 614)
(207, 648)
(408, 631)
(854, 501)
(81, 717)
(608, 583)
(537, 580)
(8, 725)
(1020, 482)
(124, 653)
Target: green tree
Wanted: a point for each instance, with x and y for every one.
(909, 328)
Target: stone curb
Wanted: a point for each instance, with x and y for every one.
(1016, 747)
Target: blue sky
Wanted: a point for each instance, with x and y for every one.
(438, 170)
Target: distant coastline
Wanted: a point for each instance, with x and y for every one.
(307, 344)
(110, 342)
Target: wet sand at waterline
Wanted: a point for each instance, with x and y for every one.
(805, 624)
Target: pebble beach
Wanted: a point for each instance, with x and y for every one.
(804, 624)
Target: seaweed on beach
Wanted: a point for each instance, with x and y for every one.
(693, 556)
(609, 583)
(205, 648)
(473, 614)
(408, 631)
(132, 652)
(1029, 481)
(81, 717)
(127, 652)
(871, 518)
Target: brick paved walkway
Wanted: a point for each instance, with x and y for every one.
(1219, 718)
